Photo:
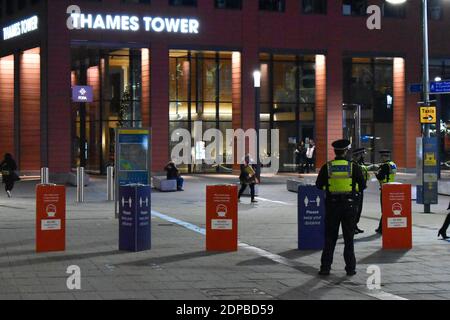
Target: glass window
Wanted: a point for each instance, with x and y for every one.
(435, 9)
(288, 85)
(354, 7)
(394, 10)
(272, 5)
(368, 82)
(314, 6)
(228, 4)
(191, 3)
(201, 90)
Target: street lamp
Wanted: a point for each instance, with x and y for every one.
(426, 72)
(257, 85)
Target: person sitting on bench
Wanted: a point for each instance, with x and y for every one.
(174, 174)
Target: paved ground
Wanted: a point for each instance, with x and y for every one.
(267, 265)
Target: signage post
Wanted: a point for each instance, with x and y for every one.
(311, 218)
(50, 218)
(132, 158)
(134, 218)
(221, 218)
(397, 217)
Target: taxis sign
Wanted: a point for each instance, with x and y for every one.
(428, 115)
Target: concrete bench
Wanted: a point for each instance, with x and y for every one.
(164, 185)
(293, 184)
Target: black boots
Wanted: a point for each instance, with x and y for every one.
(443, 231)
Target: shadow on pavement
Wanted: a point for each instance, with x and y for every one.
(170, 259)
(384, 256)
(59, 258)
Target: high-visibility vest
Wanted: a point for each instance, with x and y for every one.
(340, 179)
(365, 171)
(392, 173)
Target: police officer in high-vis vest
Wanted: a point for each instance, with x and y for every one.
(341, 179)
(386, 174)
(358, 158)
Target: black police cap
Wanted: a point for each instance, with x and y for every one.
(385, 152)
(341, 144)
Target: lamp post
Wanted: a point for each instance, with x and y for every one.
(257, 85)
(425, 76)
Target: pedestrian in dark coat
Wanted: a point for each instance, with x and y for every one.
(8, 168)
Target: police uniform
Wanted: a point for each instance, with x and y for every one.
(386, 174)
(341, 179)
(358, 159)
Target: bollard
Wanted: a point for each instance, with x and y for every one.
(80, 185)
(44, 176)
(110, 182)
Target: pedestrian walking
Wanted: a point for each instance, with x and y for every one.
(386, 174)
(341, 179)
(300, 157)
(8, 168)
(310, 156)
(358, 159)
(443, 231)
(248, 178)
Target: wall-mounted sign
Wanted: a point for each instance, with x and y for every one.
(82, 94)
(22, 27)
(80, 20)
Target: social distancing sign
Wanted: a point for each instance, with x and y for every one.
(50, 218)
(221, 218)
(397, 217)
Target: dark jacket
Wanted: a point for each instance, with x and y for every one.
(8, 168)
(172, 172)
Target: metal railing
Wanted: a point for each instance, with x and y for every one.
(80, 185)
(45, 176)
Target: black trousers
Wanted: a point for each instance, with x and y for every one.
(339, 213)
(9, 184)
(252, 190)
(446, 224)
(359, 206)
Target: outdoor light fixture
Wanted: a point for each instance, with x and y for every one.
(437, 79)
(257, 79)
(396, 1)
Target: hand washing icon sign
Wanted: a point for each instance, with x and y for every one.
(397, 209)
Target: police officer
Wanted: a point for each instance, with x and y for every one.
(341, 179)
(358, 158)
(386, 174)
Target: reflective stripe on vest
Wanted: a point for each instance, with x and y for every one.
(340, 177)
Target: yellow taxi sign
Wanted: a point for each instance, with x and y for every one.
(427, 115)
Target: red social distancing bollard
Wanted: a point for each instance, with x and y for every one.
(50, 218)
(397, 216)
(221, 218)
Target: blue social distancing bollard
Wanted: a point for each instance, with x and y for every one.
(134, 218)
(311, 218)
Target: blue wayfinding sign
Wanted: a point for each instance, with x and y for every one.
(134, 218)
(440, 87)
(436, 87)
(311, 218)
(82, 94)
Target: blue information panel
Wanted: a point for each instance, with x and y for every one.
(440, 87)
(134, 218)
(430, 170)
(311, 218)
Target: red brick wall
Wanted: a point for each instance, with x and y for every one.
(30, 110)
(399, 129)
(321, 109)
(145, 103)
(160, 106)
(7, 105)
